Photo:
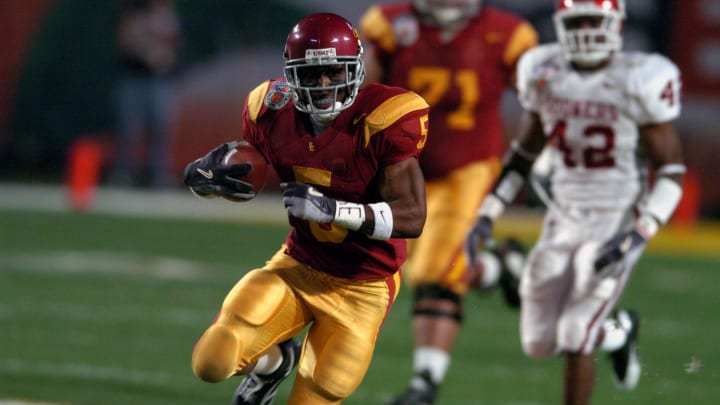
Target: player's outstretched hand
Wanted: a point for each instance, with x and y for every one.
(209, 177)
(613, 251)
(479, 237)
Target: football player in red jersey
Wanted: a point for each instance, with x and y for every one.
(460, 56)
(353, 190)
(607, 117)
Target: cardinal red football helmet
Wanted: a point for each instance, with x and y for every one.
(589, 30)
(318, 44)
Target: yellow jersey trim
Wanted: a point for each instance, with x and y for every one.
(375, 27)
(523, 38)
(256, 99)
(390, 111)
(312, 175)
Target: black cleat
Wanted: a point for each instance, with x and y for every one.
(625, 360)
(511, 253)
(258, 389)
(418, 396)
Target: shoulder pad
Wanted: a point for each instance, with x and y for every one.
(523, 38)
(271, 94)
(391, 110)
(535, 69)
(654, 81)
(389, 26)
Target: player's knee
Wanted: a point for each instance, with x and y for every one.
(215, 354)
(538, 349)
(306, 390)
(420, 275)
(336, 376)
(437, 301)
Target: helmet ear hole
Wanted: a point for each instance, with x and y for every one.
(324, 41)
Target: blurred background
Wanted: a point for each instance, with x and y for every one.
(61, 67)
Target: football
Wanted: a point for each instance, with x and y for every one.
(243, 152)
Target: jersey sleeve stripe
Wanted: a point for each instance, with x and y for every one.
(255, 100)
(377, 29)
(390, 111)
(523, 38)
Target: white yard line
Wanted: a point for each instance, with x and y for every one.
(180, 203)
(169, 268)
(85, 372)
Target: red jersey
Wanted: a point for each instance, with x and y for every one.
(384, 125)
(463, 80)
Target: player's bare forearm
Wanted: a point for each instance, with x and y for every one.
(403, 189)
(530, 142)
(663, 145)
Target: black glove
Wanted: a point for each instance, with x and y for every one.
(208, 176)
(479, 237)
(612, 251)
(306, 202)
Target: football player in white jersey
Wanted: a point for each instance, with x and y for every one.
(607, 115)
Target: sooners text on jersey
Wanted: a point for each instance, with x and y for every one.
(592, 119)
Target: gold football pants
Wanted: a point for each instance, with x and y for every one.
(276, 302)
(452, 203)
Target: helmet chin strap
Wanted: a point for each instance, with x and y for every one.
(592, 60)
(325, 118)
(447, 16)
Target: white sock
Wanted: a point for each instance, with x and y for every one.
(269, 362)
(491, 269)
(432, 359)
(615, 336)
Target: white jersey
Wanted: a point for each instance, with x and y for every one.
(592, 120)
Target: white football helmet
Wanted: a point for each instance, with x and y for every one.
(446, 14)
(590, 31)
(324, 42)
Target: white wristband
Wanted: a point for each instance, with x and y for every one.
(509, 186)
(671, 169)
(491, 207)
(383, 221)
(349, 215)
(663, 199)
(647, 226)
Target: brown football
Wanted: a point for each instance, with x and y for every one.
(246, 153)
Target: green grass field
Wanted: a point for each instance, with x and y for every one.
(101, 309)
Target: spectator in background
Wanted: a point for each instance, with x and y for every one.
(148, 35)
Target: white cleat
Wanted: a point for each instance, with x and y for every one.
(625, 360)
